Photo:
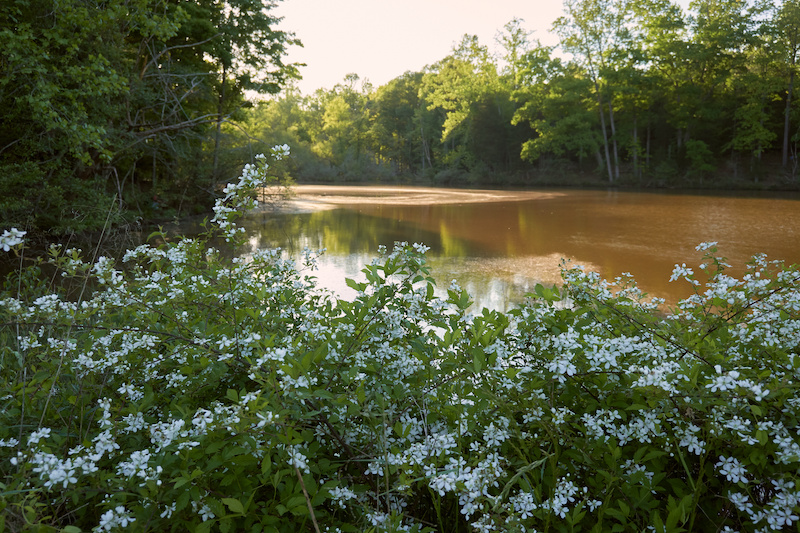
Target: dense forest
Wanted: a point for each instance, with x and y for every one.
(637, 92)
(142, 109)
(112, 110)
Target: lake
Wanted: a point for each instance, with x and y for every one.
(499, 244)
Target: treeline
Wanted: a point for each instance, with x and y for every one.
(636, 92)
(111, 111)
(137, 109)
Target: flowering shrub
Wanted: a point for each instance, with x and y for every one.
(190, 391)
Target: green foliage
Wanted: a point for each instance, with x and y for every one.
(454, 120)
(141, 104)
(700, 158)
(555, 115)
(184, 390)
(113, 104)
(396, 129)
(645, 82)
(48, 196)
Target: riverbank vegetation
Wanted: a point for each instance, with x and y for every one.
(183, 390)
(112, 113)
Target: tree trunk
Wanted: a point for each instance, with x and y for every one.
(761, 113)
(636, 147)
(599, 157)
(605, 133)
(614, 139)
(218, 132)
(155, 172)
(786, 118)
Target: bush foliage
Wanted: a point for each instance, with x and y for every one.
(182, 390)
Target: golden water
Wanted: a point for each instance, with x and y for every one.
(499, 245)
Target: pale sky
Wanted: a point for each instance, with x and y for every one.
(381, 39)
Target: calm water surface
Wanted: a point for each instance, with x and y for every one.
(499, 249)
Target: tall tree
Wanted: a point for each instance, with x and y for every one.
(395, 129)
(753, 90)
(106, 99)
(595, 32)
(341, 137)
(662, 34)
(63, 90)
(721, 32)
(455, 82)
(248, 50)
(478, 108)
(515, 42)
(787, 30)
(556, 108)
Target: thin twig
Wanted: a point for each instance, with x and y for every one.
(72, 323)
(308, 500)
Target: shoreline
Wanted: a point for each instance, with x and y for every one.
(311, 198)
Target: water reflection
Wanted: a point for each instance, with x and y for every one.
(499, 250)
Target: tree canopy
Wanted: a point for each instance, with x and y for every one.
(139, 109)
(637, 92)
(109, 111)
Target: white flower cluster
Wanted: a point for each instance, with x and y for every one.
(471, 484)
(560, 503)
(138, 466)
(203, 511)
(11, 238)
(214, 361)
(298, 459)
(781, 511)
(113, 519)
(690, 440)
(732, 469)
(237, 196)
(55, 472)
(683, 272)
(341, 495)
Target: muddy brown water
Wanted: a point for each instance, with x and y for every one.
(499, 244)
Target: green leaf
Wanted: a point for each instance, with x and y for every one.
(234, 505)
(658, 524)
(576, 516)
(323, 394)
(626, 511)
(182, 501)
(214, 447)
(360, 395)
(539, 290)
(298, 506)
(621, 517)
(653, 454)
(478, 359)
